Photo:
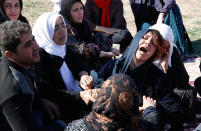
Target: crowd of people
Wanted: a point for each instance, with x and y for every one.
(46, 75)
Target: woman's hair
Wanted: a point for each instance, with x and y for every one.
(158, 42)
(66, 6)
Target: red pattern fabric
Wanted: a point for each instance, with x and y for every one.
(105, 14)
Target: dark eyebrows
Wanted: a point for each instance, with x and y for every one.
(28, 42)
(7, 3)
(11, 3)
(62, 23)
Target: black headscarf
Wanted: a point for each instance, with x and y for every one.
(82, 30)
(66, 6)
(3, 16)
(116, 106)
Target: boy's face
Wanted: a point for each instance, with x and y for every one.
(27, 51)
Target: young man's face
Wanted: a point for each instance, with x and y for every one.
(27, 51)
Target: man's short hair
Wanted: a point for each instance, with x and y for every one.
(11, 33)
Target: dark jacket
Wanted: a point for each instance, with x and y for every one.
(51, 85)
(148, 10)
(177, 73)
(93, 14)
(18, 99)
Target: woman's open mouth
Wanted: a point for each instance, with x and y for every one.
(144, 50)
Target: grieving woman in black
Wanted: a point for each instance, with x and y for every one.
(117, 108)
(53, 74)
(151, 81)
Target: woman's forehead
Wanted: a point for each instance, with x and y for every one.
(149, 34)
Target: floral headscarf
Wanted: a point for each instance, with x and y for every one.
(116, 106)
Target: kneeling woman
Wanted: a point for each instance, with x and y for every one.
(54, 79)
(151, 81)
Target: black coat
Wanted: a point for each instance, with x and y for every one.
(177, 73)
(18, 99)
(51, 86)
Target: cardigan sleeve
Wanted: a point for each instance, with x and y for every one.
(168, 4)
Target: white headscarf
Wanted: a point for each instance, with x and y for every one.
(167, 34)
(43, 31)
(57, 6)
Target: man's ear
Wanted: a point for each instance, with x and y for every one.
(11, 55)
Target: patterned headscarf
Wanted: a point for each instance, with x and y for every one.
(116, 106)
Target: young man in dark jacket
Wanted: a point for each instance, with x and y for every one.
(21, 108)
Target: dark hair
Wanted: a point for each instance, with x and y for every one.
(11, 33)
(2, 3)
(66, 6)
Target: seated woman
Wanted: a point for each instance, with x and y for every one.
(117, 108)
(11, 10)
(80, 39)
(151, 81)
(108, 13)
(171, 63)
(54, 79)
